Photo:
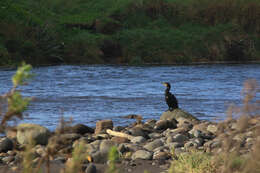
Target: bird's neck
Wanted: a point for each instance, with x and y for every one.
(167, 90)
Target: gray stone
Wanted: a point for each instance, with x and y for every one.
(105, 145)
(212, 128)
(191, 144)
(32, 133)
(175, 145)
(161, 148)
(165, 124)
(91, 168)
(138, 131)
(60, 160)
(81, 129)
(161, 155)
(68, 137)
(132, 147)
(8, 159)
(142, 154)
(138, 140)
(197, 134)
(199, 141)
(100, 157)
(154, 144)
(180, 138)
(122, 148)
(93, 146)
(155, 135)
(176, 114)
(41, 150)
(6, 144)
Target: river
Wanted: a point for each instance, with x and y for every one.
(90, 93)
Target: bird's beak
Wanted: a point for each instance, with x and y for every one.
(164, 84)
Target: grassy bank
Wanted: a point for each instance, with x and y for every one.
(129, 31)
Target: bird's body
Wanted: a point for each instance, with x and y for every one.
(170, 99)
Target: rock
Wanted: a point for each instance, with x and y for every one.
(191, 144)
(119, 140)
(150, 122)
(11, 133)
(60, 160)
(58, 142)
(142, 154)
(138, 140)
(11, 153)
(103, 125)
(122, 148)
(32, 134)
(175, 145)
(132, 147)
(100, 157)
(199, 141)
(212, 128)
(138, 131)
(154, 144)
(155, 135)
(161, 155)
(91, 168)
(165, 124)
(41, 150)
(105, 145)
(5, 144)
(176, 114)
(200, 134)
(81, 129)
(180, 138)
(197, 133)
(8, 159)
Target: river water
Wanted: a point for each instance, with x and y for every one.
(90, 93)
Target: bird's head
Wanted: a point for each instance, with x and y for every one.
(168, 85)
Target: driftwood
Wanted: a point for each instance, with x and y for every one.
(119, 134)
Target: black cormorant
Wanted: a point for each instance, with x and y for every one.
(170, 99)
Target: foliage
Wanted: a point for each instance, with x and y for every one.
(16, 103)
(157, 31)
(113, 157)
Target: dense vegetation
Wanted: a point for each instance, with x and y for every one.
(128, 31)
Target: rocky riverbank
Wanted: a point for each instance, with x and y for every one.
(150, 145)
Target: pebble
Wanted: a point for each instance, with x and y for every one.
(142, 154)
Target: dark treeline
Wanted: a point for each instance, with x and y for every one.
(128, 31)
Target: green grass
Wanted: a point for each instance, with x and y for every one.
(155, 31)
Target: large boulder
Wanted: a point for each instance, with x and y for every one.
(32, 134)
(5, 144)
(178, 114)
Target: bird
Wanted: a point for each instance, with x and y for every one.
(170, 99)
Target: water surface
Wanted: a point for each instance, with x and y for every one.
(91, 93)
